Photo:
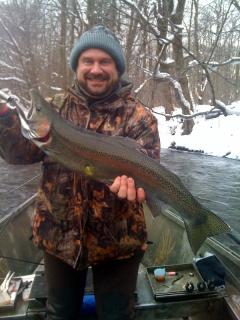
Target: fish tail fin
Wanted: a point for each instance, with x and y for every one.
(211, 225)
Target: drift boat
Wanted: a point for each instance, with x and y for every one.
(185, 292)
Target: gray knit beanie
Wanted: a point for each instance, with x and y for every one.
(99, 37)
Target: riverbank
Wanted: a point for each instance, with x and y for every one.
(216, 137)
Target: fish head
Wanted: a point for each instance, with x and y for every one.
(36, 121)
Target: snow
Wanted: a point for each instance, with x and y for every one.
(193, 63)
(213, 65)
(5, 65)
(141, 86)
(175, 85)
(170, 37)
(217, 137)
(169, 61)
(56, 88)
(21, 28)
(12, 79)
(233, 60)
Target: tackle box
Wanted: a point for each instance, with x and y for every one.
(173, 288)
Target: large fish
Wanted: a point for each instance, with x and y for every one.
(103, 157)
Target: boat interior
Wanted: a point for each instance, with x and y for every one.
(183, 291)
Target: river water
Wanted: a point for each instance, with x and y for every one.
(215, 181)
(13, 190)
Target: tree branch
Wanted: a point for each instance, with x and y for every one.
(184, 116)
(236, 4)
(14, 42)
(156, 33)
(219, 33)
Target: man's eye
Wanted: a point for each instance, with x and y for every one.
(87, 62)
(105, 62)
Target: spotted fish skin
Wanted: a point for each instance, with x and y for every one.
(105, 157)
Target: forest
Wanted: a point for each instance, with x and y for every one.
(179, 53)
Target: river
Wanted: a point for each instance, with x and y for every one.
(215, 181)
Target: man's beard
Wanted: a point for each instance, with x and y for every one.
(96, 77)
(108, 89)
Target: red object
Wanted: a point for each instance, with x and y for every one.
(3, 109)
(172, 273)
(43, 139)
(160, 278)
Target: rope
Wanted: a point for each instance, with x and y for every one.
(22, 260)
(22, 185)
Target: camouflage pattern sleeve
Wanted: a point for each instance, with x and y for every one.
(14, 148)
(143, 128)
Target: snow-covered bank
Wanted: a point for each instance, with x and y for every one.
(218, 137)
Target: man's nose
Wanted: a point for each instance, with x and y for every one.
(96, 68)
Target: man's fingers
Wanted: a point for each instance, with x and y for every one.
(115, 185)
(131, 191)
(122, 193)
(141, 197)
(125, 188)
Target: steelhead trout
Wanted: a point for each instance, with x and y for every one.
(103, 158)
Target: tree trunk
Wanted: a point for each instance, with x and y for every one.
(73, 7)
(62, 49)
(177, 18)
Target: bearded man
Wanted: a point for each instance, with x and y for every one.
(80, 222)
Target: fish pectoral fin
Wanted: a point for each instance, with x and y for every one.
(199, 231)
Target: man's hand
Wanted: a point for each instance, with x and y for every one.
(125, 188)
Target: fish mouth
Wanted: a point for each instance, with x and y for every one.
(35, 131)
(44, 139)
(43, 142)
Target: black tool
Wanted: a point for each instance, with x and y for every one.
(178, 278)
(189, 286)
(201, 286)
(211, 285)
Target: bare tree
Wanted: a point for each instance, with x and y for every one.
(62, 44)
(168, 44)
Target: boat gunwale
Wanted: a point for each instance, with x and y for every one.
(214, 243)
(16, 211)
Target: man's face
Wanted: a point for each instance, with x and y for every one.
(97, 72)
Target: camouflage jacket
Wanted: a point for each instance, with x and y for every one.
(77, 219)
